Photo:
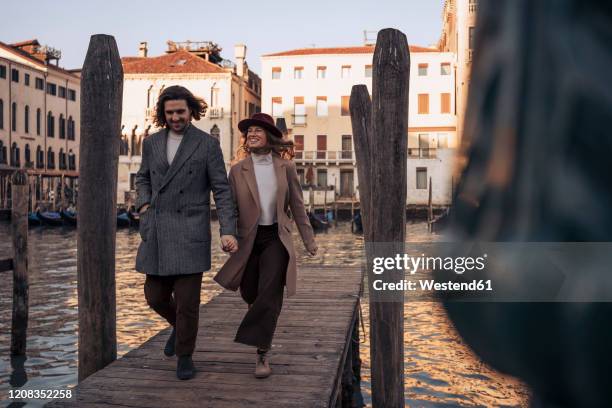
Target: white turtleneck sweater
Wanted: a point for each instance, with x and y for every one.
(266, 187)
(172, 144)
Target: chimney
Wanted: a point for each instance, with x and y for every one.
(142, 49)
(240, 55)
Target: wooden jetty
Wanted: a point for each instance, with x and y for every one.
(312, 352)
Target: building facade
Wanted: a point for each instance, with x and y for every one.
(311, 87)
(39, 118)
(230, 89)
(458, 25)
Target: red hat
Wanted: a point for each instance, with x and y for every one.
(262, 120)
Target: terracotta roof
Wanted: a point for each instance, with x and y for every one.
(180, 62)
(368, 49)
(33, 41)
(28, 56)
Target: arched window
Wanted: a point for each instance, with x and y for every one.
(27, 157)
(62, 160)
(1, 114)
(15, 159)
(70, 128)
(26, 119)
(62, 127)
(50, 125)
(38, 114)
(215, 132)
(50, 159)
(71, 160)
(2, 153)
(14, 117)
(40, 158)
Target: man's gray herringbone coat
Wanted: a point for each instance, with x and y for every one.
(175, 229)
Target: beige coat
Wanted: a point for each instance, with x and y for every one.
(289, 196)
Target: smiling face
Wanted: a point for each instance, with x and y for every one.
(177, 114)
(256, 137)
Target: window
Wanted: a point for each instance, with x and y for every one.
(26, 119)
(71, 95)
(321, 72)
(299, 111)
(15, 156)
(322, 177)
(2, 153)
(14, 117)
(471, 38)
(40, 158)
(346, 71)
(62, 127)
(39, 84)
(445, 68)
(62, 92)
(50, 159)
(3, 71)
(27, 155)
(277, 107)
(214, 96)
(51, 89)
(300, 174)
(72, 164)
(38, 114)
(347, 147)
(298, 72)
(62, 160)
(445, 102)
(344, 106)
(71, 128)
(298, 140)
(421, 178)
(423, 69)
(424, 145)
(50, 125)
(1, 114)
(321, 146)
(15, 75)
(321, 105)
(443, 140)
(26, 79)
(423, 104)
(368, 71)
(276, 72)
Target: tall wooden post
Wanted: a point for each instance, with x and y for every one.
(19, 232)
(381, 151)
(101, 100)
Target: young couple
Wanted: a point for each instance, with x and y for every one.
(180, 166)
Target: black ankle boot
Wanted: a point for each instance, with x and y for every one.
(169, 349)
(184, 368)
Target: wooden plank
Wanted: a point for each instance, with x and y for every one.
(307, 355)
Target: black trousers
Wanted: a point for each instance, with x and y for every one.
(262, 287)
(181, 310)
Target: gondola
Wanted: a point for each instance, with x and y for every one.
(50, 218)
(318, 223)
(134, 218)
(69, 217)
(123, 220)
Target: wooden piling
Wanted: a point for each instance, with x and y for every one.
(383, 186)
(430, 209)
(19, 233)
(101, 102)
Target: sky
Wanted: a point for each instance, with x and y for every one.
(265, 26)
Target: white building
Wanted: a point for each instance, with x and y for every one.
(231, 90)
(311, 87)
(458, 22)
(39, 117)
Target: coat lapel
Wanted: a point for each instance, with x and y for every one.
(158, 144)
(249, 175)
(281, 183)
(188, 145)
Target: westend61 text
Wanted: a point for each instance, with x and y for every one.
(430, 284)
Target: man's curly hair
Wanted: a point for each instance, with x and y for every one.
(196, 105)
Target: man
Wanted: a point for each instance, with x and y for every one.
(180, 165)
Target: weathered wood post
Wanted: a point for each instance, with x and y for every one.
(430, 217)
(101, 101)
(19, 232)
(381, 161)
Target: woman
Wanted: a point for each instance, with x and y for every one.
(265, 187)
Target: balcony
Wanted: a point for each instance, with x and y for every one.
(298, 120)
(422, 153)
(215, 113)
(340, 156)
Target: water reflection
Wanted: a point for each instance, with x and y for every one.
(439, 369)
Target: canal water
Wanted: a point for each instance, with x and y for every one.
(440, 370)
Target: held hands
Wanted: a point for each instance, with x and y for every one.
(229, 244)
(312, 250)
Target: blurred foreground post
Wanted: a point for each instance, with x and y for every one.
(19, 233)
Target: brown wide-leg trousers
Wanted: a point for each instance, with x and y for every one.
(262, 287)
(182, 310)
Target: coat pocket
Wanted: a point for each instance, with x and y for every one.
(143, 224)
(198, 223)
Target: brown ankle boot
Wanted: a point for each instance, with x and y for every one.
(262, 367)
